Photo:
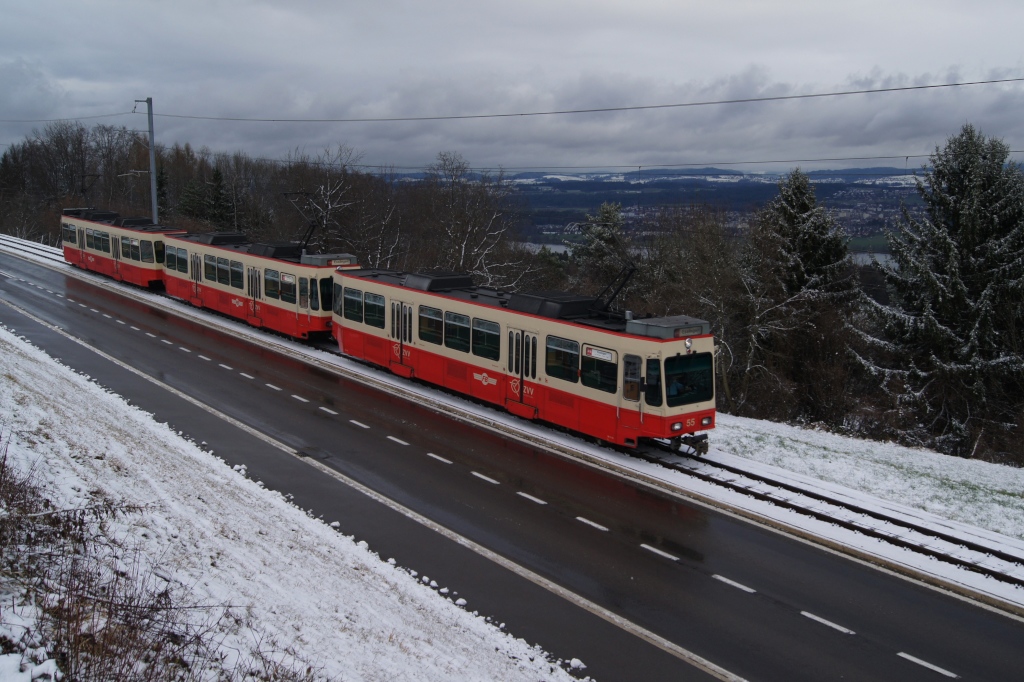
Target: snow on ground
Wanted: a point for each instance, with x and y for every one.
(990, 496)
(296, 581)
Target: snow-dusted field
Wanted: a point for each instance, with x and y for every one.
(292, 580)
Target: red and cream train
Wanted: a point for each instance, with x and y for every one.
(546, 356)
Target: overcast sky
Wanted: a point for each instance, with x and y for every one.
(395, 58)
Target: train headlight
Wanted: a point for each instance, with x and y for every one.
(706, 421)
(677, 426)
(688, 343)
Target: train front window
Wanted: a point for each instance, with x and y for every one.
(562, 359)
(652, 391)
(689, 379)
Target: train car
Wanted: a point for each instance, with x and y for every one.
(126, 249)
(272, 286)
(544, 356)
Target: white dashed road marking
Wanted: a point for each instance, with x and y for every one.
(247, 376)
(827, 622)
(272, 386)
(591, 523)
(660, 553)
(184, 349)
(359, 424)
(203, 357)
(397, 440)
(734, 584)
(167, 342)
(328, 410)
(930, 666)
(299, 398)
(439, 458)
(531, 498)
(152, 336)
(485, 478)
(227, 367)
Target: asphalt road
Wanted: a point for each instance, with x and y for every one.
(759, 604)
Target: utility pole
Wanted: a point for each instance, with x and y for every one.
(152, 159)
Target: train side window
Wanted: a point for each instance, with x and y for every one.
(456, 331)
(314, 295)
(510, 352)
(69, 233)
(183, 261)
(374, 310)
(237, 274)
(147, 251)
(353, 304)
(631, 377)
(599, 369)
(106, 242)
(88, 238)
(652, 394)
(327, 288)
(287, 288)
(431, 325)
(562, 359)
(486, 339)
(303, 292)
(223, 272)
(126, 247)
(158, 247)
(210, 268)
(533, 362)
(337, 299)
(272, 283)
(171, 262)
(136, 250)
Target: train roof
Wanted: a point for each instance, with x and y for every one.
(559, 305)
(115, 219)
(291, 252)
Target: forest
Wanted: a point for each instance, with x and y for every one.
(924, 350)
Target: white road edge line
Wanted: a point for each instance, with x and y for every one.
(359, 424)
(439, 458)
(328, 410)
(531, 498)
(591, 523)
(397, 440)
(930, 666)
(659, 552)
(628, 626)
(829, 623)
(734, 583)
(485, 478)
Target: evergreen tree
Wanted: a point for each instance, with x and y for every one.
(218, 206)
(162, 205)
(604, 251)
(950, 351)
(192, 202)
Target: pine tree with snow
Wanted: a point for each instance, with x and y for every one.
(604, 251)
(948, 348)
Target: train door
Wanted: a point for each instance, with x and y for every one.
(254, 294)
(195, 274)
(522, 372)
(401, 338)
(81, 247)
(115, 254)
(630, 406)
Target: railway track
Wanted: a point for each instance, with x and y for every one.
(998, 563)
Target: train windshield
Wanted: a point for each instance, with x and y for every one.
(689, 379)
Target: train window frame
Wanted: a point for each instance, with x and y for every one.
(599, 368)
(136, 250)
(287, 288)
(486, 339)
(210, 267)
(337, 299)
(146, 251)
(183, 261)
(631, 372)
(374, 310)
(90, 240)
(223, 271)
(272, 283)
(691, 384)
(70, 234)
(126, 248)
(171, 259)
(304, 292)
(431, 324)
(353, 304)
(653, 395)
(557, 353)
(159, 251)
(237, 274)
(457, 331)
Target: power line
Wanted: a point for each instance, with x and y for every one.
(463, 117)
(57, 120)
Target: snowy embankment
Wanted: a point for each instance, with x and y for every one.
(287, 580)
